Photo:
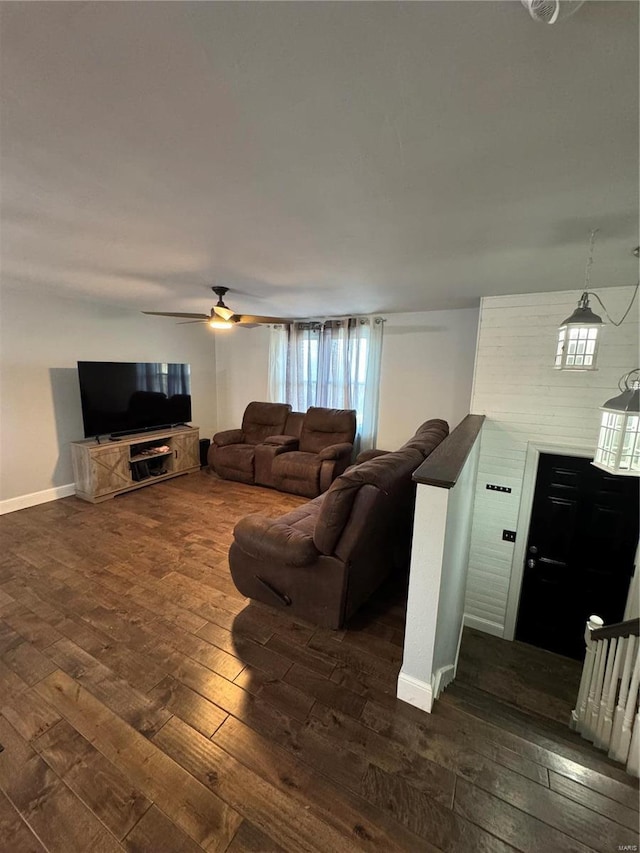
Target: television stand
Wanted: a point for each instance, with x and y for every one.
(103, 471)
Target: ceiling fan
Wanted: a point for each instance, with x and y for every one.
(221, 316)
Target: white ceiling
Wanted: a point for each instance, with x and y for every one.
(317, 158)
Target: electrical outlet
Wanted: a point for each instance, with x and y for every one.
(508, 535)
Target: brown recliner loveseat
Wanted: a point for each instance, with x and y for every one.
(232, 451)
(294, 452)
(321, 561)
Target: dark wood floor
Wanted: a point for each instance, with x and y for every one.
(145, 705)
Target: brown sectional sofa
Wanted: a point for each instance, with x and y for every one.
(324, 559)
(294, 452)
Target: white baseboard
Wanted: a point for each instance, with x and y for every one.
(446, 674)
(35, 498)
(483, 625)
(415, 692)
(443, 677)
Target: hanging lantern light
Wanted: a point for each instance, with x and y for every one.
(578, 335)
(578, 338)
(618, 448)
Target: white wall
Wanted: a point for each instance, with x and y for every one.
(41, 339)
(427, 371)
(526, 400)
(242, 372)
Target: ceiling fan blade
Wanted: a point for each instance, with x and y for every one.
(189, 322)
(223, 311)
(255, 320)
(174, 314)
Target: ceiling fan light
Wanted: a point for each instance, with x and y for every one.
(618, 449)
(223, 311)
(578, 339)
(218, 323)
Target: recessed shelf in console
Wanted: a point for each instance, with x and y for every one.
(151, 454)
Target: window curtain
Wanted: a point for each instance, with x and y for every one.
(335, 364)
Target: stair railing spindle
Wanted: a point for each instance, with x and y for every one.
(618, 718)
(579, 712)
(633, 761)
(622, 750)
(599, 740)
(595, 693)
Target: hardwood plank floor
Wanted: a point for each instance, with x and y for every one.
(146, 706)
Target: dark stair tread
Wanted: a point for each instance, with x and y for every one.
(537, 729)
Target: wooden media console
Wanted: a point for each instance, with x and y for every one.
(114, 467)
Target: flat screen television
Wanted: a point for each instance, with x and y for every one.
(120, 398)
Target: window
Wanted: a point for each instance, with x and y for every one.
(335, 364)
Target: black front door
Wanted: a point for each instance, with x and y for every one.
(580, 552)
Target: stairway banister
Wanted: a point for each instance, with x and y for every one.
(611, 669)
(620, 629)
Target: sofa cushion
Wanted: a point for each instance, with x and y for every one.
(382, 472)
(304, 517)
(263, 419)
(334, 513)
(236, 456)
(273, 539)
(296, 465)
(388, 471)
(428, 436)
(322, 427)
(297, 472)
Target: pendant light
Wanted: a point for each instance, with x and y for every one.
(578, 338)
(618, 448)
(579, 335)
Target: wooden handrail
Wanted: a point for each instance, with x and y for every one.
(442, 467)
(619, 629)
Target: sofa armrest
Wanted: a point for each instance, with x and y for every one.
(288, 441)
(336, 451)
(369, 454)
(228, 436)
(272, 540)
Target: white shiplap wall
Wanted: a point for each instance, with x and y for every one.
(526, 400)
